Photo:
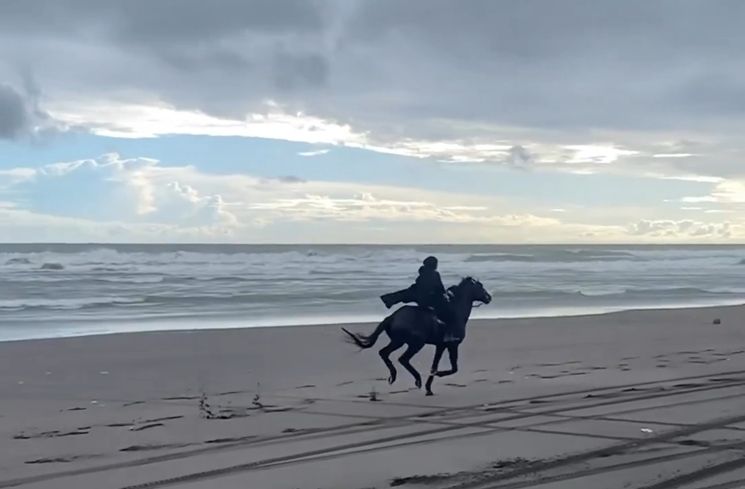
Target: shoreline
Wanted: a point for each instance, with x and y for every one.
(478, 322)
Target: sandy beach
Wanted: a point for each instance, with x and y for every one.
(641, 399)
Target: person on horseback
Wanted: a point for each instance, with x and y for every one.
(427, 291)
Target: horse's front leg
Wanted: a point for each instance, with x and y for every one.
(453, 353)
(439, 350)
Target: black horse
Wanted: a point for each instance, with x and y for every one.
(417, 326)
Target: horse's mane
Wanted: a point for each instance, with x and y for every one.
(453, 288)
(467, 279)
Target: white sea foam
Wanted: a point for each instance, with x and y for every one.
(269, 285)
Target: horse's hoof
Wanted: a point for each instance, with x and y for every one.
(391, 380)
(418, 384)
(429, 393)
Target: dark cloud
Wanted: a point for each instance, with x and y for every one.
(21, 115)
(298, 70)
(519, 157)
(568, 72)
(291, 179)
(150, 22)
(575, 63)
(14, 118)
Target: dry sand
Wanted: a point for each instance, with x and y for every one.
(645, 399)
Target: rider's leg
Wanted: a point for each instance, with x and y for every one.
(444, 312)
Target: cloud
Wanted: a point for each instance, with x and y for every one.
(187, 206)
(367, 207)
(724, 193)
(15, 175)
(519, 157)
(23, 225)
(380, 74)
(685, 229)
(112, 188)
(291, 179)
(672, 155)
(318, 152)
(140, 198)
(14, 118)
(21, 115)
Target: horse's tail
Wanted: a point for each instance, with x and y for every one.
(367, 341)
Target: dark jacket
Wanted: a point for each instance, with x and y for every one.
(428, 287)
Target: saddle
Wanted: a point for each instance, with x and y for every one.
(409, 295)
(442, 328)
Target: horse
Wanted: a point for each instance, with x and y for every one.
(416, 326)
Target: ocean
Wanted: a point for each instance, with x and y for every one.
(51, 290)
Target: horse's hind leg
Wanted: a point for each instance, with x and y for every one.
(385, 354)
(412, 350)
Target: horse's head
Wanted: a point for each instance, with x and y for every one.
(475, 290)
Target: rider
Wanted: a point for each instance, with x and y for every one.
(427, 291)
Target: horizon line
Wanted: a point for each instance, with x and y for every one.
(162, 243)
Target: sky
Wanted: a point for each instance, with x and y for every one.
(372, 121)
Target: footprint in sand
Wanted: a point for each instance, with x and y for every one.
(165, 418)
(146, 427)
(228, 393)
(58, 460)
(608, 395)
(142, 448)
(50, 434)
(231, 440)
